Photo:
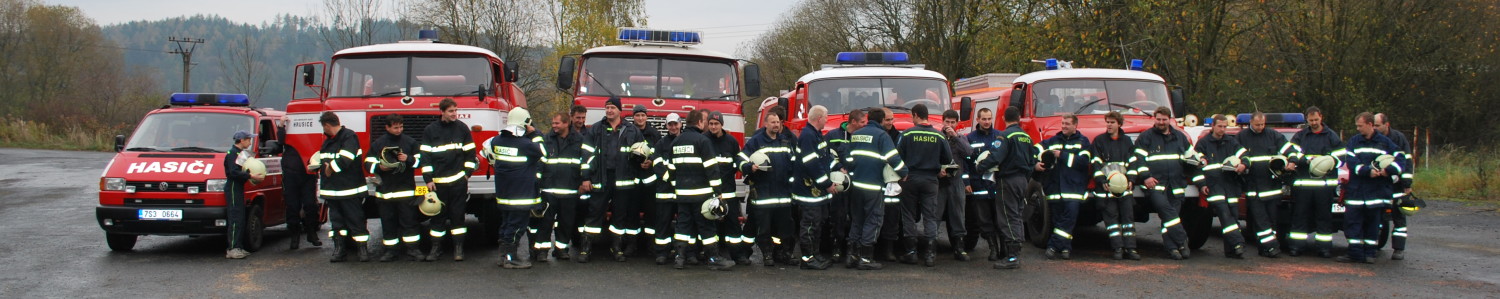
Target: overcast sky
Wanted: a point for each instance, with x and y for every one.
(727, 25)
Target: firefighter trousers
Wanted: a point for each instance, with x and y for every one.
(814, 219)
(236, 221)
(1119, 219)
(512, 225)
(691, 227)
(1263, 221)
(730, 226)
(921, 207)
(866, 214)
(1168, 209)
(348, 217)
(771, 226)
(660, 225)
(951, 208)
(1064, 217)
(1312, 218)
(301, 200)
(1398, 229)
(1010, 223)
(1226, 210)
(1362, 228)
(398, 222)
(451, 220)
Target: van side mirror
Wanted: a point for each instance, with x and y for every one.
(307, 75)
(784, 103)
(965, 109)
(1179, 105)
(119, 143)
(752, 80)
(565, 69)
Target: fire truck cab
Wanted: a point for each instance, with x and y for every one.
(168, 176)
(861, 80)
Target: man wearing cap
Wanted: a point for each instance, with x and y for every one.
(447, 159)
(1065, 182)
(1312, 209)
(1221, 182)
(659, 220)
(813, 189)
(234, 191)
(771, 206)
(614, 181)
(1263, 184)
(343, 189)
(726, 147)
(1113, 147)
(564, 187)
(516, 155)
(692, 165)
(396, 189)
(1370, 187)
(870, 152)
(1403, 187)
(649, 179)
(838, 212)
(925, 150)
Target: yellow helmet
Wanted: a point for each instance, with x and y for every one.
(430, 205)
(1321, 166)
(254, 166)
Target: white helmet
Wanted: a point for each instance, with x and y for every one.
(712, 209)
(840, 180)
(517, 120)
(890, 175)
(761, 159)
(1231, 163)
(314, 163)
(1321, 166)
(1193, 158)
(255, 167)
(430, 205)
(892, 189)
(1118, 183)
(1383, 161)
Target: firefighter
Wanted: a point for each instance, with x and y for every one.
(925, 150)
(579, 119)
(1113, 147)
(1403, 187)
(771, 207)
(839, 209)
(1012, 163)
(812, 189)
(1162, 173)
(448, 158)
(564, 187)
(1263, 184)
(890, 230)
(1220, 182)
(726, 147)
(1370, 188)
(870, 152)
(516, 155)
(396, 190)
(659, 221)
(951, 187)
(694, 171)
(980, 212)
(1312, 210)
(300, 190)
(647, 189)
(343, 189)
(614, 180)
(1066, 184)
(234, 192)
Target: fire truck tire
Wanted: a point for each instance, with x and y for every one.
(1385, 230)
(1038, 217)
(120, 242)
(255, 228)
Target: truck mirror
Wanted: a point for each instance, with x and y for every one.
(119, 143)
(269, 147)
(307, 75)
(1017, 98)
(752, 80)
(784, 103)
(483, 91)
(1179, 106)
(565, 68)
(965, 108)
(511, 72)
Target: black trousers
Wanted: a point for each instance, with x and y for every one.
(451, 220)
(659, 225)
(814, 219)
(1169, 208)
(1064, 217)
(920, 206)
(512, 225)
(1362, 228)
(1225, 207)
(730, 226)
(1312, 217)
(1010, 223)
(979, 214)
(1119, 219)
(690, 225)
(301, 200)
(951, 203)
(866, 214)
(348, 217)
(398, 222)
(1263, 221)
(235, 208)
(772, 225)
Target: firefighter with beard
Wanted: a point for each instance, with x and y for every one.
(1375, 166)
(563, 190)
(396, 190)
(1312, 209)
(1220, 182)
(813, 190)
(1262, 183)
(1403, 187)
(614, 180)
(448, 158)
(838, 212)
(726, 148)
(1163, 173)
(771, 208)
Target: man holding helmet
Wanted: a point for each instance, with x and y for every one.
(812, 189)
(1114, 161)
(767, 161)
(614, 180)
(693, 169)
(1066, 183)
(1266, 151)
(1374, 170)
(1315, 186)
(396, 189)
(1220, 182)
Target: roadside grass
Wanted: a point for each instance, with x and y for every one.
(1459, 173)
(16, 132)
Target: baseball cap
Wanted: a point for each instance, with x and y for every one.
(242, 135)
(674, 118)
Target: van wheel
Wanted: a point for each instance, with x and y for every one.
(120, 242)
(255, 228)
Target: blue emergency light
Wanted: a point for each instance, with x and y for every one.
(1137, 64)
(210, 99)
(1051, 64)
(873, 58)
(650, 36)
(427, 34)
(1275, 118)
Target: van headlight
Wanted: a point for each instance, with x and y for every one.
(215, 185)
(111, 184)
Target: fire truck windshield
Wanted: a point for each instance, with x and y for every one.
(849, 94)
(379, 76)
(663, 78)
(188, 132)
(1060, 97)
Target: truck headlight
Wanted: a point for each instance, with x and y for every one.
(111, 184)
(215, 185)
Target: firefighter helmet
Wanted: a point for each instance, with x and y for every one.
(1118, 183)
(1321, 166)
(1190, 121)
(892, 189)
(1383, 161)
(430, 205)
(712, 209)
(762, 160)
(517, 120)
(1277, 165)
(1231, 163)
(639, 152)
(839, 179)
(1049, 158)
(1193, 158)
(255, 167)
(890, 174)
(1410, 205)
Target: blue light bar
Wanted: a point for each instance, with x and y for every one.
(210, 99)
(665, 37)
(427, 34)
(873, 58)
(1137, 64)
(1275, 118)
(1051, 64)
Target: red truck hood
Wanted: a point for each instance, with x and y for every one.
(166, 167)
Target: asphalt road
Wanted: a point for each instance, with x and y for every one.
(53, 248)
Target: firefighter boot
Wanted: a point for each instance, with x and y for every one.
(362, 250)
(837, 246)
(585, 243)
(766, 257)
(679, 260)
(510, 257)
(715, 261)
(851, 259)
(1010, 260)
(994, 244)
(887, 250)
(864, 261)
(960, 252)
(458, 248)
(413, 251)
(295, 244)
(436, 250)
(617, 247)
(388, 254)
(340, 254)
(929, 254)
(909, 251)
(312, 237)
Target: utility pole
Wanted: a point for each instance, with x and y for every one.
(187, 56)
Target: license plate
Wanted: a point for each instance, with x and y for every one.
(161, 214)
(1338, 208)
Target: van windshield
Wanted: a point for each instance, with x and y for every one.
(663, 78)
(1058, 97)
(188, 132)
(843, 95)
(384, 76)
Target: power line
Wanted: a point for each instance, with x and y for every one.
(732, 26)
(187, 56)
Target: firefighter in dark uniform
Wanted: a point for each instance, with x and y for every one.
(813, 190)
(562, 190)
(1066, 183)
(614, 179)
(1312, 210)
(838, 212)
(890, 230)
(771, 209)
(447, 159)
(343, 189)
(659, 220)
(1114, 147)
(726, 148)
(1263, 186)
(1370, 188)
(299, 190)
(871, 150)
(1221, 183)
(980, 212)
(516, 155)
(646, 190)
(925, 150)
(396, 189)
(1403, 187)
(234, 192)
(1012, 160)
(694, 171)
(951, 187)
(1163, 174)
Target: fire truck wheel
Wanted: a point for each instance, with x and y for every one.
(120, 242)
(255, 228)
(1385, 230)
(1037, 215)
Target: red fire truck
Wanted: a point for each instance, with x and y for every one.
(409, 77)
(168, 177)
(863, 80)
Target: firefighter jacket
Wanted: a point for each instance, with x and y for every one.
(1405, 146)
(1068, 177)
(870, 151)
(447, 152)
(660, 168)
(397, 183)
(981, 141)
(958, 148)
(924, 149)
(612, 153)
(694, 167)
(772, 188)
(814, 161)
(340, 154)
(838, 144)
(1113, 150)
(1223, 182)
(1260, 148)
(1365, 191)
(517, 161)
(1308, 145)
(1012, 155)
(1160, 156)
(726, 148)
(563, 166)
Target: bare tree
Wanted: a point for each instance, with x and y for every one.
(242, 63)
(352, 23)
